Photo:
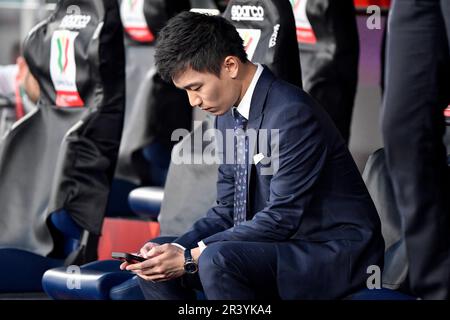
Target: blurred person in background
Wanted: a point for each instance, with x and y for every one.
(19, 92)
(416, 94)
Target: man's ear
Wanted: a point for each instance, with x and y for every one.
(231, 66)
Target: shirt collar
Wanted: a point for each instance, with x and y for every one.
(244, 106)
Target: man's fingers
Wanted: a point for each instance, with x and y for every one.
(152, 244)
(154, 251)
(157, 250)
(143, 252)
(123, 265)
(146, 248)
(134, 267)
(147, 264)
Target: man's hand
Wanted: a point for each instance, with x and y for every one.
(143, 253)
(165, 262)
(196, 254)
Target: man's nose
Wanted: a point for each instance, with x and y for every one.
(194, 99)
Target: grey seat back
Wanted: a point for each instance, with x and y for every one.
(190, 188)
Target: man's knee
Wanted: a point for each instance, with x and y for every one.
(213, 264)
(215, 257)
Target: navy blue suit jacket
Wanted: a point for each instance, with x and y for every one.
(315, 207)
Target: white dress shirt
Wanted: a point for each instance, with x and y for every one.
(244, 105)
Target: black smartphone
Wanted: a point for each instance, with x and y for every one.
(128, 257)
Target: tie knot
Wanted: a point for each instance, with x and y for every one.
(239, 118)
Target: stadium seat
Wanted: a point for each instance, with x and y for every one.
(98, 280)
(55, 156)
(17, 276)
(91, 281)
(146, 201)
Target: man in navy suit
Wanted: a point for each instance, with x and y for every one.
(293, 218)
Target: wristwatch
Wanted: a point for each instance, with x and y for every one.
(190, 266)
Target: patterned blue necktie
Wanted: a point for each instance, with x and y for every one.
(240, 168)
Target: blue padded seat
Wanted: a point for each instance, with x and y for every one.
(146, 201)
(21, 271)
(16, 274)
(93, 282)
(98, 280)
(68, 228)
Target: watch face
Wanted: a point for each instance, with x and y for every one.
(190, 267)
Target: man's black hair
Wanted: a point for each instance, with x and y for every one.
(198, 41)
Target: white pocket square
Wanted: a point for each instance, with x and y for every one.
(257, 158)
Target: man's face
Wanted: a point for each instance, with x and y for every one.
(205, 90)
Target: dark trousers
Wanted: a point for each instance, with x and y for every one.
(416, 93)
(227, 270)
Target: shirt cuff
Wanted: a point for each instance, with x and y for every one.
(201, 245)
(178, 245)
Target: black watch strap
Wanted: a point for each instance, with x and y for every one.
(190, 266)
(187, 254)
